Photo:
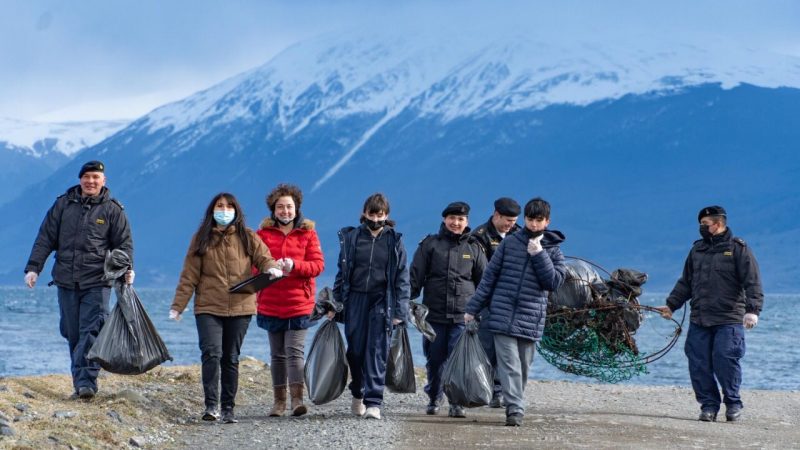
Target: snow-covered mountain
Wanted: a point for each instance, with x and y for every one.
(31, 151)
(627, 138)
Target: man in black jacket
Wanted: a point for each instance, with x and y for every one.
(502, 223)
(81, 226)
(722, 279)
(447, 266)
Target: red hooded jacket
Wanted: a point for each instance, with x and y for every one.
(295, 295)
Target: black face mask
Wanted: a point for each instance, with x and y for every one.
(534, 234)
(375, 225)
(705, 233)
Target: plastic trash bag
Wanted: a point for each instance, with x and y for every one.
(326, 365)
(418, 314)
(325, 303)
(128, 343)
(625, 286)
(576, 291)
(468, 377)
(400, 377)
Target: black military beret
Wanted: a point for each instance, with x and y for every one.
(506, 207)
(711, 211)
(456, 209)
(92, 166)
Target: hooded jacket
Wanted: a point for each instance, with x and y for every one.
(515, 285)
(722, 279)
(295, 295)
(81, 230)
(224, 264)
(397, 286)
(446, 268)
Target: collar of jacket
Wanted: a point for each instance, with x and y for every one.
(299, 222)
(224, 231)
(447, 234)
(490, 228)
(723, 238)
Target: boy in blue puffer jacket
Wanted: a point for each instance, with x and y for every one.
(524, 269)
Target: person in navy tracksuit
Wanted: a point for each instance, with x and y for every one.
(526, 267)
(373, 284)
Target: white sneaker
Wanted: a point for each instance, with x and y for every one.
(357, 407)
(373, 412)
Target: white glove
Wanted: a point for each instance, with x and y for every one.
(274, 273)
(750, 320)
(30, 279)
(174, 315)
(129, 276)
(286, 264)
(535, 245)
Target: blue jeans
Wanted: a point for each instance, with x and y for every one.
(714, 354)
(436, 353)
(83, 313)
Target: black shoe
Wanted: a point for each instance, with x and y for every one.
(432, 410)
(514, 420)
(228, 417)
(85, 393)
(457, 411)
(733, 413)
(707, 416)
(210, 414)
(497, 401)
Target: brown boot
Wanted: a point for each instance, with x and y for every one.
(298, 408)
(279, 394)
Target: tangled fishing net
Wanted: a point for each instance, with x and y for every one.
(591, 324)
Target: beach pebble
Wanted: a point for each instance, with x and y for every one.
(64, 414)
(21, 407)
(7, 431)
(132, 396)
(136, 441)
(114, 415)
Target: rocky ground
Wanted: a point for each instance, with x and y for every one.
(161, 410)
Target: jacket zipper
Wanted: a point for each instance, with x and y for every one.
(516, 297)
(369, 268)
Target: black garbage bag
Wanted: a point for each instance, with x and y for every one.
(128, 343)
(325, 303)
(400, 377)
(625, 286)
(576, 291)
(468, 376)
(326, 365)
(418, 314)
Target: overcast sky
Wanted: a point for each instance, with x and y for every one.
(98, 59)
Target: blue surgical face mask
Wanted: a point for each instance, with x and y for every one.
(224, 217)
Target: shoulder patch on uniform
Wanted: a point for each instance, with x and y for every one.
(740, 241)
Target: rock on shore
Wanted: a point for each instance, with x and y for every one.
(161, 410)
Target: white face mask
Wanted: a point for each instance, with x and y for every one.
(224, 217)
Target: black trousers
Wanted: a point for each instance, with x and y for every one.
(220, 342)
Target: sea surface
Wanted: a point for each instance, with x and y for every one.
(30, 342)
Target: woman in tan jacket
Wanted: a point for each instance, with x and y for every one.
(221, 254)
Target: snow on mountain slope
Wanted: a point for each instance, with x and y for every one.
(67, 138)
(456, 76)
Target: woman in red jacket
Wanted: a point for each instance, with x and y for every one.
(284, 308)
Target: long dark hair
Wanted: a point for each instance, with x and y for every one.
(374, 204)
(205, 235)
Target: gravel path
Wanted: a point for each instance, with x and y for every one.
(560, 415)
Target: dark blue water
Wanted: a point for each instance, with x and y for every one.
(30, 342)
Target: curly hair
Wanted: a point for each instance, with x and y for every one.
(283, 190)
